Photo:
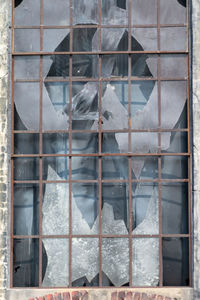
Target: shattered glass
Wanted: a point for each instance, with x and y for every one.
(117, 114)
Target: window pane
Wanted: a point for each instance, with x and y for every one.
(26, 169)
(114, 168)
(26, 263)
(174, 66)
(86, 267)
(27, 40)
(174, 167)
(85, 168)
(174, 142)
(56, 40)
(114, 39)
(175, 262)
(56, 12)
(115, 261)
(173, 39)
(114, 14)
(27, 67)
(84, 142)
(55, 168)
(55, 143)
(26, 143)
(144, 167)
(144, 39)
(145, 262)
(27, 13)
(85, 12)
(57, 268)
(172, 12)
(55, 209)
(144, 12)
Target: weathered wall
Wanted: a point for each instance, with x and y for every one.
(4, 96)
(5, 292)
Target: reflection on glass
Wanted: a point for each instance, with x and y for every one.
(115, 65)
(85, 203)
(175, 208)
(145, 208)
(26, 209)
(56, 12)
(27, 108)
(56, 66)
(85, 39)
(59, 94)
(57, 269)
(26, 143)
(114, 167)
(56, 40)
(27, 40)
(144, 12)
(25, 263)
(114, 12)
(55, 143)
(115, 261)
(114, 39)
(55, 209)
(115, 212)
(175, 262)
(86, 267)
(173, 39)
(145, 38)
(85, 66)
(26, 168)
(172, 12)
(110, 143)
(60, 165)
(144, 65)
(27, 67)
(144, 142)
(145, 263)
(145, 167)
(84, 142)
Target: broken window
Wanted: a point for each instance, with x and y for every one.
(100, 152)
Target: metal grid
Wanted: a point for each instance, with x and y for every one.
(70, 79)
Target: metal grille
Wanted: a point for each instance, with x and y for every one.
(30, 139)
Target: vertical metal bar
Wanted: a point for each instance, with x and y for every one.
(100, 150)
(130, 57)
(70, 146)
(159, 149)
(41, 145)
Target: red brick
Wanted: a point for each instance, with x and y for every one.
(66, 296)
(137, 296)
(84, 295)
(49, 297)
(57, 296)
(160, 298)
(129, 296)
(144, 296)
(31, 299)
(152, 297)
(76, 295)
(114, 296)
(41, 298)
(121, 295)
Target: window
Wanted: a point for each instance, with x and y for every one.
(100, 143)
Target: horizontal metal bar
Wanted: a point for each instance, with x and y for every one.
(95, 53)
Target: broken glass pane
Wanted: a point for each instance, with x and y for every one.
(85, 39)
(57, 268)
(173, 39)
(56, 12)
(175, 142)
(26, 143)
(115, 212)
(58, 92)
(84, 142)
(114, 167)
(86, 198)
(175, 262)
(144, 65)
(55, 209)
(27, 40)
(146, 37)
(174, 167)
(145, 208)
(114, 142)
(172, 12)
(86, 267)
(55, 66)
(114, 39)
(25, 263)
(143, 142)
(85, 12)
(145, 167)
(59, 164)
(26, 168)
(24, 106)
(28, 13)
(144, 12)
(145, 264)
(173, 66)
(114, 12)
(26, 209)
(115, 260)
(55, 143)
(144, 105)
(27, 67)
(56, 40)
(114, 65)
(173, 100)
(175, 208)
